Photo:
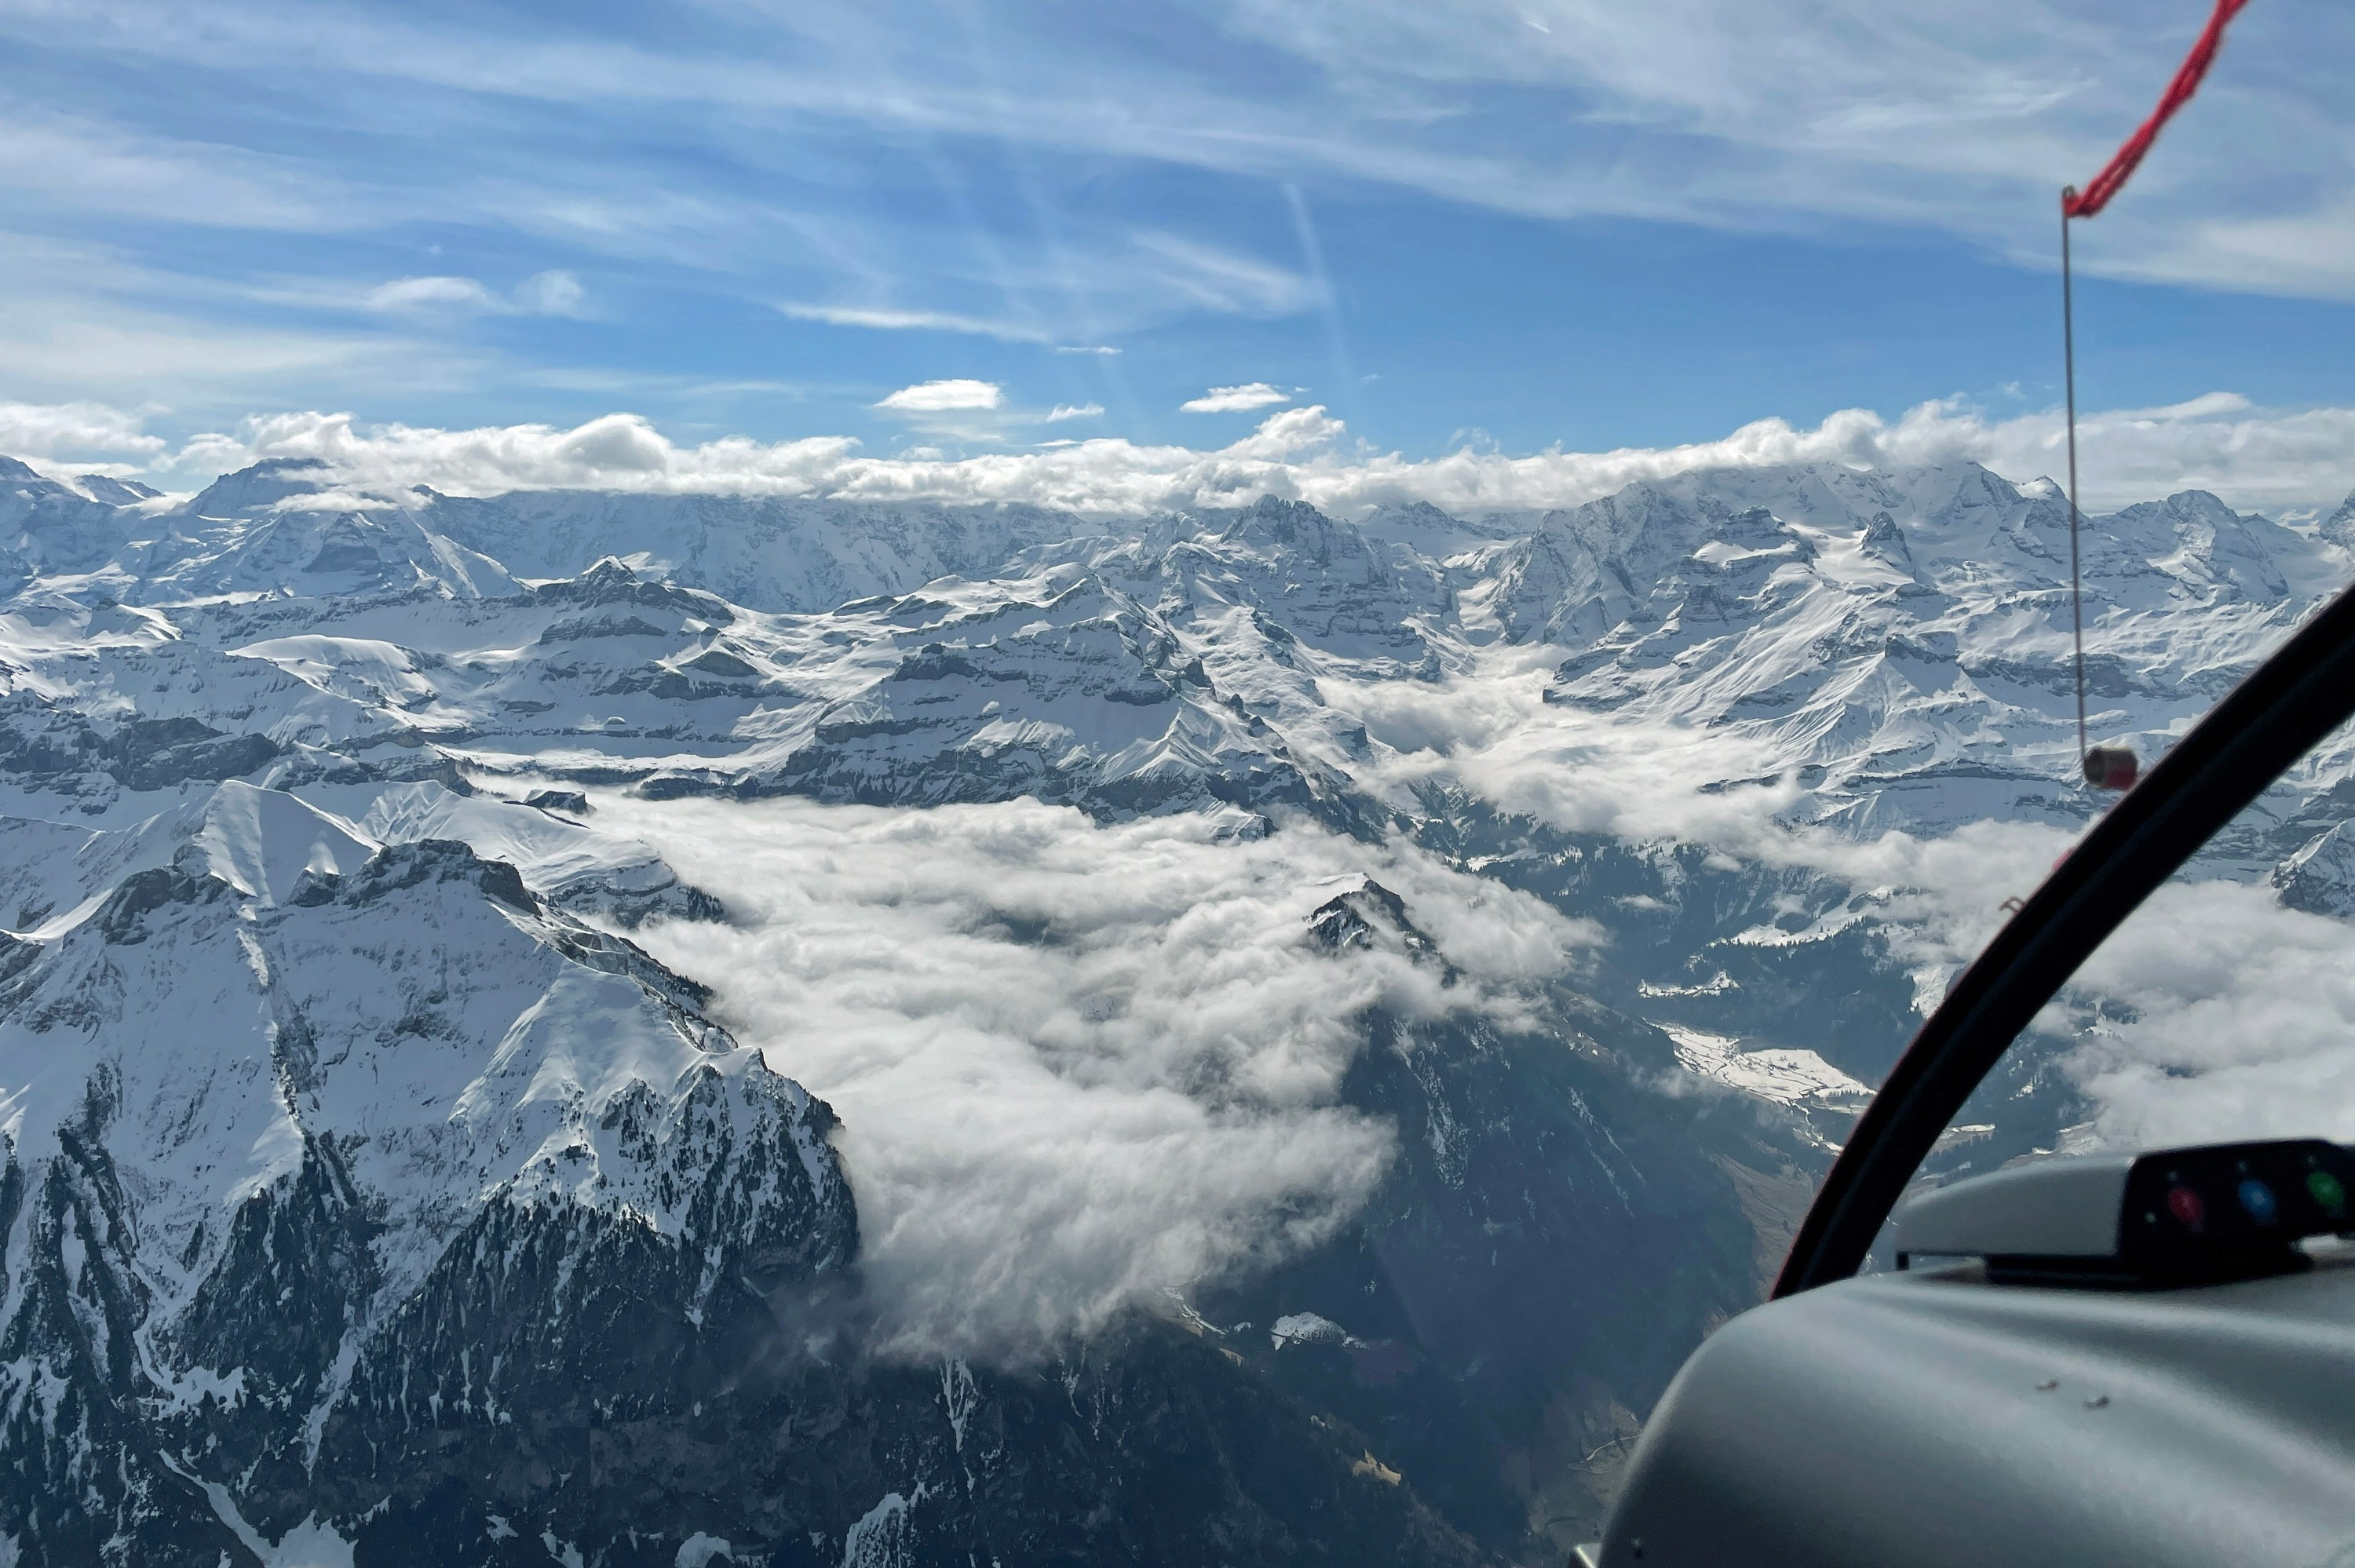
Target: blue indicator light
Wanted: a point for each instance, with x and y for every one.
(2258, 1198)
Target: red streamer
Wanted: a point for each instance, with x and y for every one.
(2120, 168)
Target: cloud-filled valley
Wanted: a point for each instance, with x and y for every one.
(1079, 1064)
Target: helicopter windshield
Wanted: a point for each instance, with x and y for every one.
(2221, 1009)
(2218, 1011)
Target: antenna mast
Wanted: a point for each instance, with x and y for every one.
(2069, 378)
(2114, 766)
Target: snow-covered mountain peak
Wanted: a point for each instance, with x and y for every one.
(266, 844)
(260, 487)
(2338, 528)
(1369, 918)
(245, 1136)
(611, 580)
(115, 492)
(1894, 629)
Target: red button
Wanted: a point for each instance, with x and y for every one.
(2185, 1205)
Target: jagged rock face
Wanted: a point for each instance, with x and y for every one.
(2340, 526)
(252, 1140)
(1152, 1449)
(1542, 1253)
(1323, 580)
(1369, 918)
(1064, 689)
(2321, 877)
(1060, 687)
(46, 525)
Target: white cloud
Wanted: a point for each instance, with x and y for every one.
(2255, 458)
(1234, 400)
(1918, 113)
(1148, 1097)
(74, 431)
(944, 397)
(1228, 282)
(1042, 1131)
(1061, 411)
(83, 324)
(65, 160)
(2227, 1017)
(1085, 348)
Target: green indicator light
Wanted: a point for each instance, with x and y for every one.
(2327, 1191)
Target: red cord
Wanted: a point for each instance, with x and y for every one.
(2119, 169)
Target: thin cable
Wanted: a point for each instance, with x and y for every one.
(2069, 379)
(2093, 199)
(2188, 76)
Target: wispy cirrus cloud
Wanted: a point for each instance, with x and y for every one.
(554, 292)
(65, 163)
(1058, 181)
(885, 320)
(1710, 110)
(427, 293)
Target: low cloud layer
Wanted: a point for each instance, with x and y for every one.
(2215, 1013)
(2280, 461)
(1077, 1066)
(1490, 733)
(1080, 1065)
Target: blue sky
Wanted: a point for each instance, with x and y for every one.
(1510, 225)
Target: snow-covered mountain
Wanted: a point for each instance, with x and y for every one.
(1902, 637)
(371, 1193)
